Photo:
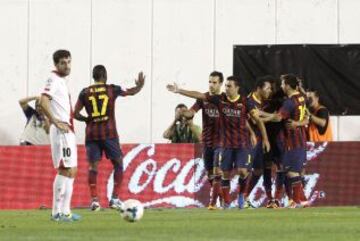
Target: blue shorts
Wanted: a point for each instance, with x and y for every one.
(231, 158)
(111, 147)
(258, 156)
(293, 160)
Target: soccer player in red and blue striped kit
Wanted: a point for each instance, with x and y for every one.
(256, 102)
(210, 137)
(293, 108)
(101, 134)
(234, 140)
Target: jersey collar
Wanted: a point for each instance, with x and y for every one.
(233, 100)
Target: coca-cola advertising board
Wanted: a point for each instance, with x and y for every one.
(167, 175)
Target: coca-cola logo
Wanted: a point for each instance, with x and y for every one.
(154, 180)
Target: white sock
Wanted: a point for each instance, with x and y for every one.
(69, 182)
(58, 193)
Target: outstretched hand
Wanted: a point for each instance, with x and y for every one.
(140, 80)
(173, 88)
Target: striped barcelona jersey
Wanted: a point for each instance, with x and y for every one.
(210, 122)
(294, 108)
(99, 103)
(274, 130)
(233, 115)
(253, 104)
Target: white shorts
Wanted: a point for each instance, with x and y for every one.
(63, 148)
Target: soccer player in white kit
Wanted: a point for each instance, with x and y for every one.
(56, 104)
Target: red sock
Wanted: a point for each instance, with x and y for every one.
(225, 188)
(279, 192)
(92, 183)
(226, 195)
(216, 188)
(269, 195)
(288, 188)
(117, 181)
(298, 192)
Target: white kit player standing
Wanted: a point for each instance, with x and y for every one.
(56, 103)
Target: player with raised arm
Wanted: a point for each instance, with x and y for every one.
(210, 137)
(55, 102)
(101, 134)
(234, 144)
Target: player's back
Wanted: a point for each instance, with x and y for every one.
(295, 107)
(99, 102)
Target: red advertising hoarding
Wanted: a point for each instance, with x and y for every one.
(167, 175)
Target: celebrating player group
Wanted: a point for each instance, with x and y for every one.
(247, 135)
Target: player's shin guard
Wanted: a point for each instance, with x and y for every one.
(216, 190)
(297, 188)
(58, 194)
(92, 180)
(268, 183)
(118, 174)
(225, 187)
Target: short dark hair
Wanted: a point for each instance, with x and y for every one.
(260, 82)
(217, 74)
(316, 93)
(235, 79)
(59, 54)
(291, 80)
(180, 106)
(99, 73)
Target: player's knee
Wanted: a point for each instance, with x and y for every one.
(210, 172)
(117, 164)
(217, 171)
(242, 172)
(68, 171)
(93, 166)
(73, 172)
(293, 174)
(225, 175)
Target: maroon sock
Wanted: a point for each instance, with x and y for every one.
(288, 188)
(92, 179)
(298, 191)
(279, 192)
(252, 183)
(216, 187)
(225, 188)
(117, 181)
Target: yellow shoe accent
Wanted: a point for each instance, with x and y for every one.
(210, 207)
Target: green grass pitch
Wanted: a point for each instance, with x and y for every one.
(331, 223)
